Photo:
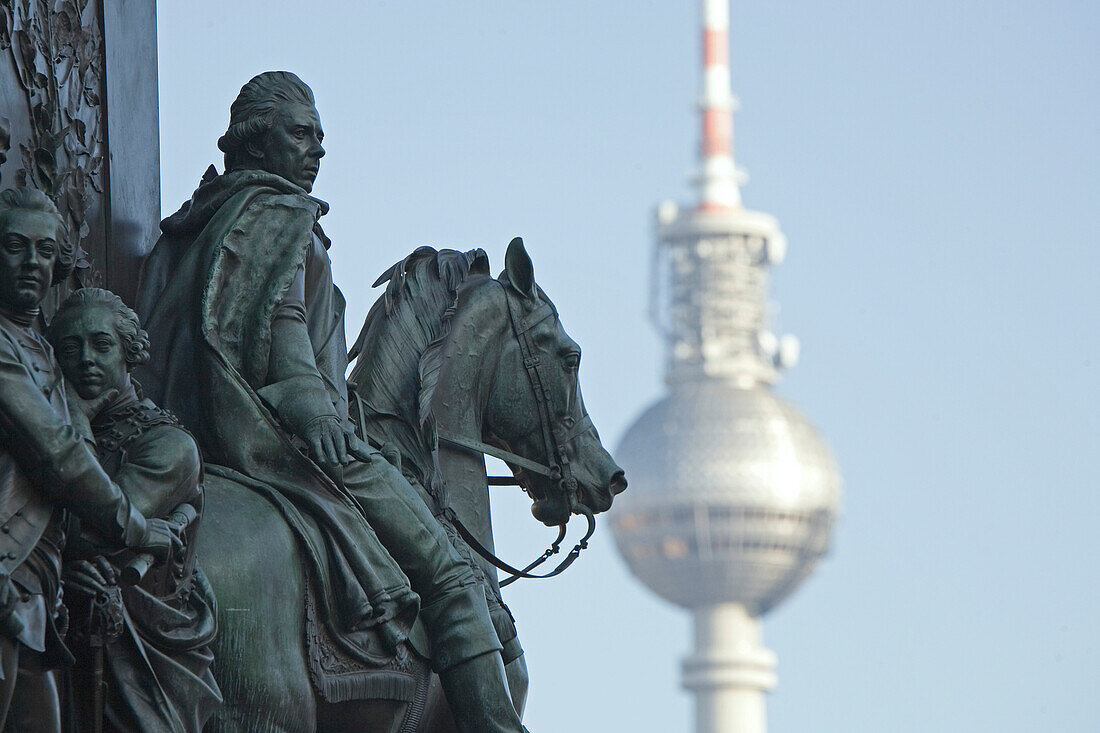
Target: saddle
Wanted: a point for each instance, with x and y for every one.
(338, 677)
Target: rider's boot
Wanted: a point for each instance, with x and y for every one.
(477, 692)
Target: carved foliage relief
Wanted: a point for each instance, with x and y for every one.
(56, 51)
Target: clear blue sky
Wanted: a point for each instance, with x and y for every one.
(934, 166)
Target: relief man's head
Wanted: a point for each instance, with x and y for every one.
(274, 127)
(97, 340)
(35, 251)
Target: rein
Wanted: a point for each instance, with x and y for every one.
(555, 442)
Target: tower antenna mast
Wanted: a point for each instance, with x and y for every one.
(733, 493)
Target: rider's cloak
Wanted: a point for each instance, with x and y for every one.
(209, 292)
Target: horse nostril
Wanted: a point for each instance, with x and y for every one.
(617, 484)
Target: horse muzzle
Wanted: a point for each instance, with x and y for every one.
(598, 488)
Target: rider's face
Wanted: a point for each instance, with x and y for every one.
(292, 148)
(90, 352)
(28, 252)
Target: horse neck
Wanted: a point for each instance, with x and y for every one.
(467, 492)
(466, 378)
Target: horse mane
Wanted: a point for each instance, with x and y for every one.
(399, 352)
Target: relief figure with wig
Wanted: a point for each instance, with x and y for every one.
(149, 641)
(47, 470)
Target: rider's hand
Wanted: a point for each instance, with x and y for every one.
(82, 412)
(357, 449)
(326, 440)
(160, 540)
(90, 578)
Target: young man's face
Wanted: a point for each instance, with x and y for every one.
(90, 351)
(28, 253)
(292, 148)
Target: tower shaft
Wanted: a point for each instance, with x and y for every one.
(729, 671)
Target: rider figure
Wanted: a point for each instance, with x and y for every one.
(268, 329)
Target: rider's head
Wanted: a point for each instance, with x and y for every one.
(35, 250)
(274, 127)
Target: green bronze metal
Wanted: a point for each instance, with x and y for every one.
(156, 658)
(48, 470)
(352, 579)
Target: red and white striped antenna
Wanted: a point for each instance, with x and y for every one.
(719, 180)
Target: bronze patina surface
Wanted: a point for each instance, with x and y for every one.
(150, 641)
(249, 544)
(48, 469)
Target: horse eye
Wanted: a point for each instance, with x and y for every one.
(572, 362)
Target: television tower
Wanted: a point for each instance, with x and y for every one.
(733, 494)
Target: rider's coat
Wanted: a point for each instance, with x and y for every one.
(243, 254)
(211, 288)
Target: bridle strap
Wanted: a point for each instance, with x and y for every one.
(578, 428)
(554, 442)
(515, 573)
(478, 446)
(522, 323)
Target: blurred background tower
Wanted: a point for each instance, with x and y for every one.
(733, 494)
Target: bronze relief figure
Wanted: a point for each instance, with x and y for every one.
(46, 470)
(146, 643)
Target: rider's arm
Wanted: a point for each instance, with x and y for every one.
(48, 448)
(295, 390)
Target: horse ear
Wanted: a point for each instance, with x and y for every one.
(520, 270)
(479, 265)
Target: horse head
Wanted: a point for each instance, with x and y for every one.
(535, 409)
(451, 360)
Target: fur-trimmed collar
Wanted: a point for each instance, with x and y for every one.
(215, 189)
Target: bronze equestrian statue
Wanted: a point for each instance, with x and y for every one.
(351, 591)
(248, 345)
(249, 351)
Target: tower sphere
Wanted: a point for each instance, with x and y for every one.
(732, 498)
